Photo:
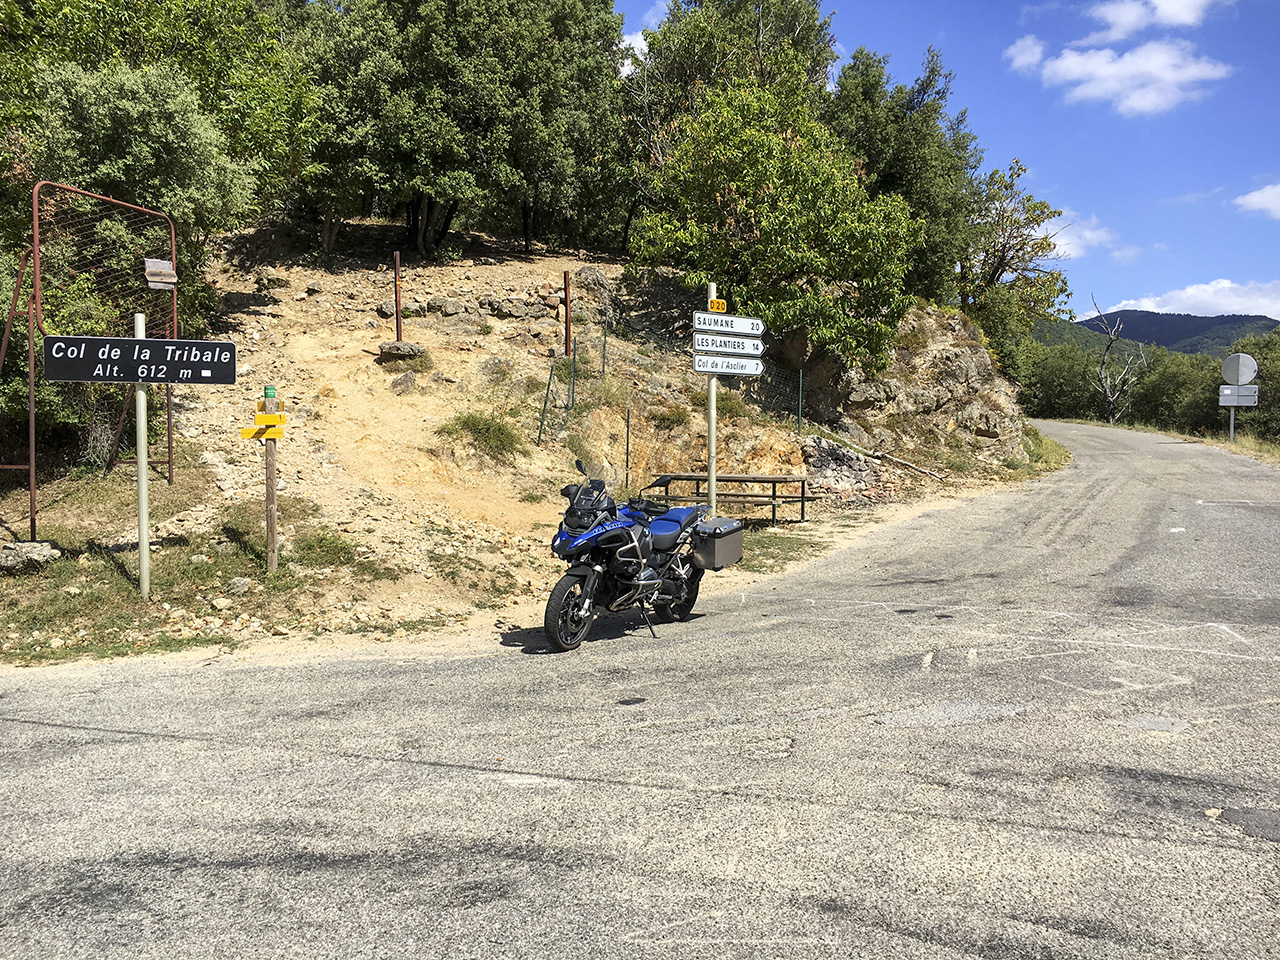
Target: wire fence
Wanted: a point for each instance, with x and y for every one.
(628, 403)
(91, 260)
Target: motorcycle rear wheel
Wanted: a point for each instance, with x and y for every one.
(681, 609)
(564, 623)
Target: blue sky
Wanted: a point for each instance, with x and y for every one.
(1153, 124)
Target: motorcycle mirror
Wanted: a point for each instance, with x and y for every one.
(582, 469)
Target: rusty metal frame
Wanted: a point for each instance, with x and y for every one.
(35, 321)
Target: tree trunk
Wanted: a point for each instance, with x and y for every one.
(626, 227)
(413, 215)
(526, 221)
(447, 222)
(329, 226)
(426, 212)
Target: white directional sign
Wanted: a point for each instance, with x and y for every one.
(1237, 395)
(727, 323)
(727, 366)
(742, 346)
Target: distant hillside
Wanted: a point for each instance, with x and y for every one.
(1084, 336)
(1181, 331)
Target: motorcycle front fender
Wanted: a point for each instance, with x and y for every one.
(591, 577)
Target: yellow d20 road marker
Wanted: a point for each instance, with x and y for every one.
(270, 419)
(717, 306)
(262, 433)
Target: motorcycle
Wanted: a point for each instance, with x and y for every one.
(640, 553)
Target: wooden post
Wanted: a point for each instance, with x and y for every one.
(399, 336)
(271, 405)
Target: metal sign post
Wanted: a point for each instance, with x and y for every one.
(144, 521)
(711, 416)
(731, 346)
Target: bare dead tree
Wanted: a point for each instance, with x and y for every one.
(1114, 384)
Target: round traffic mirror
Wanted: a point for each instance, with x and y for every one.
(1239, 369)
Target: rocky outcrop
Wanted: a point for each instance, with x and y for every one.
(942, 389)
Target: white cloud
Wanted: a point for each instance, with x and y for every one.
(1197, 195)
(653, 16)
(1266, 200)
(1152, 78)
(1124, 18)
(650, 21)
(1035, 11)
(637, 43)
(1025, 55)
(1074, 235)
(1213, 299)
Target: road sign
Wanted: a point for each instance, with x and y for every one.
(270, 419)
(1231, 395)
(742, 346)
(1239, 368)
(159, 273)
(717, 306)
(262, 433)
(727, 366)
(727, 323)
(126, 360)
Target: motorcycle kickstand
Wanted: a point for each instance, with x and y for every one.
(645, 613)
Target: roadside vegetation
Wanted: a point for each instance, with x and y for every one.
(723, 151)
(209, 584)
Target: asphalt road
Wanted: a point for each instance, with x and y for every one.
(1035, 724)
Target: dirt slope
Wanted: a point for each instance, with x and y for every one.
(466, 533)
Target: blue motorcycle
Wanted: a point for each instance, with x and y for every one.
(641, 553)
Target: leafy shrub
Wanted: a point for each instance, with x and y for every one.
(322, 548)
(493, 435)
(585, 362)
(668, 418)
(729, 405)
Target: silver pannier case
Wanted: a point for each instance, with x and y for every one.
(718, 543)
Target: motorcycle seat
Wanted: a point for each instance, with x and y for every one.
(667, 528)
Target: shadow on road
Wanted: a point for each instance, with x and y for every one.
(532, 640)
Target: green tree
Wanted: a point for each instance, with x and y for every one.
(912, 147)
(228, 51)
(562, 114)
(1177, 391)
(1058, 383)
(701, 46)
(1007, 281)
(141, 137)
(760, 198)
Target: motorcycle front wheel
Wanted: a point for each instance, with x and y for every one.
(565, 623)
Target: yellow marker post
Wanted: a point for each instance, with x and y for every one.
(717, 306)
(270, 419)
